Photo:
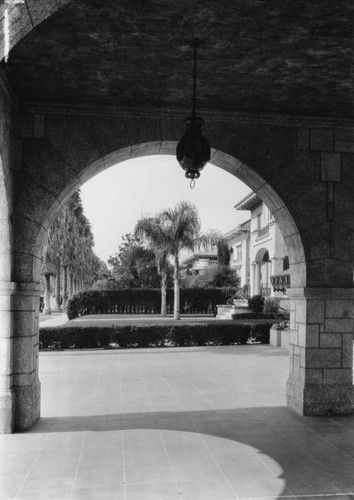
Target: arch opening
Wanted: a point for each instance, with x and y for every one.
(219, 159)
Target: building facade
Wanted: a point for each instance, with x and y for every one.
(239, 241)
(259, 254)
(267, 260)
(199, 262)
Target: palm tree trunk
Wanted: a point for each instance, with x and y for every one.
(47, 309)
(163, 293)
(71, 285)
(58, 289)
(176, 314)
(65, 286)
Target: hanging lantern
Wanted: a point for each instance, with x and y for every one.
(193, 150)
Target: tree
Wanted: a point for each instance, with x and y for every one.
(69, 248)
(133, 266)
(151, 232)
(224, 276)
(99, 269)
(224, 253)
(53, 258)
(180, 228)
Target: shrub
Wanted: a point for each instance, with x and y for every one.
(284, 325)
(239, 335)
(143, 335)
(255, 303)
(179, 335)
(240, 293)
(261, 333)
(144, 301)
(74, 337)
(271, 305)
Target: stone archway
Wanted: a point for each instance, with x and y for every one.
(65, 149)
(219, 159)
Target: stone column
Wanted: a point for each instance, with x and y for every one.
(321, 351)
(257, 278)
(47, 308)
(252, 278)
(19, 383)
(58, 288)
(6, 348)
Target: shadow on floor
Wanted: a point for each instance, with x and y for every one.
(312, 456)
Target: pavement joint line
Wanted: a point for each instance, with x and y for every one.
(123, 441)
(169, 462)
(220, 468)
(30, 468)
(296, 497)
(78, 464)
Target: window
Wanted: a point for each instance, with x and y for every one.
(259, 221)
(286, 263)
(239, 252)
(269, 215)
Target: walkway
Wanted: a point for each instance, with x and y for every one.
(54, 319)
(203, 423)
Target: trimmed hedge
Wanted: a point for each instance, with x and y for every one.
(145, 301)
(256, 303)
(192, 334)
(261, 332)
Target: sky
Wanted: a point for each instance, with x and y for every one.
(116, 198)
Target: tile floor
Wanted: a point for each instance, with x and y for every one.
(204, 423)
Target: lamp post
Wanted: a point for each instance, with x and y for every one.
(193, 150)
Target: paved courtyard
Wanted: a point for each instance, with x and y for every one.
(203, 423)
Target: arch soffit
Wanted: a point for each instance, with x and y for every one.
(24, 17)
(219, 159)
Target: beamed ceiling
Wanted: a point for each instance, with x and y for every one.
(281, 56)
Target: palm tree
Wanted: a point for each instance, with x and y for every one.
(54, 253)
(149, 230)
(69, 248)
(180, 228)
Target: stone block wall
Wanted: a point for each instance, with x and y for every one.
(6, 332)
(321, 350)
(19, 384)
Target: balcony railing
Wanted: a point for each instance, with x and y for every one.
(281, 282)
(263, 232)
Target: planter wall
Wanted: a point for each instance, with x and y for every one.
(279, 338)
